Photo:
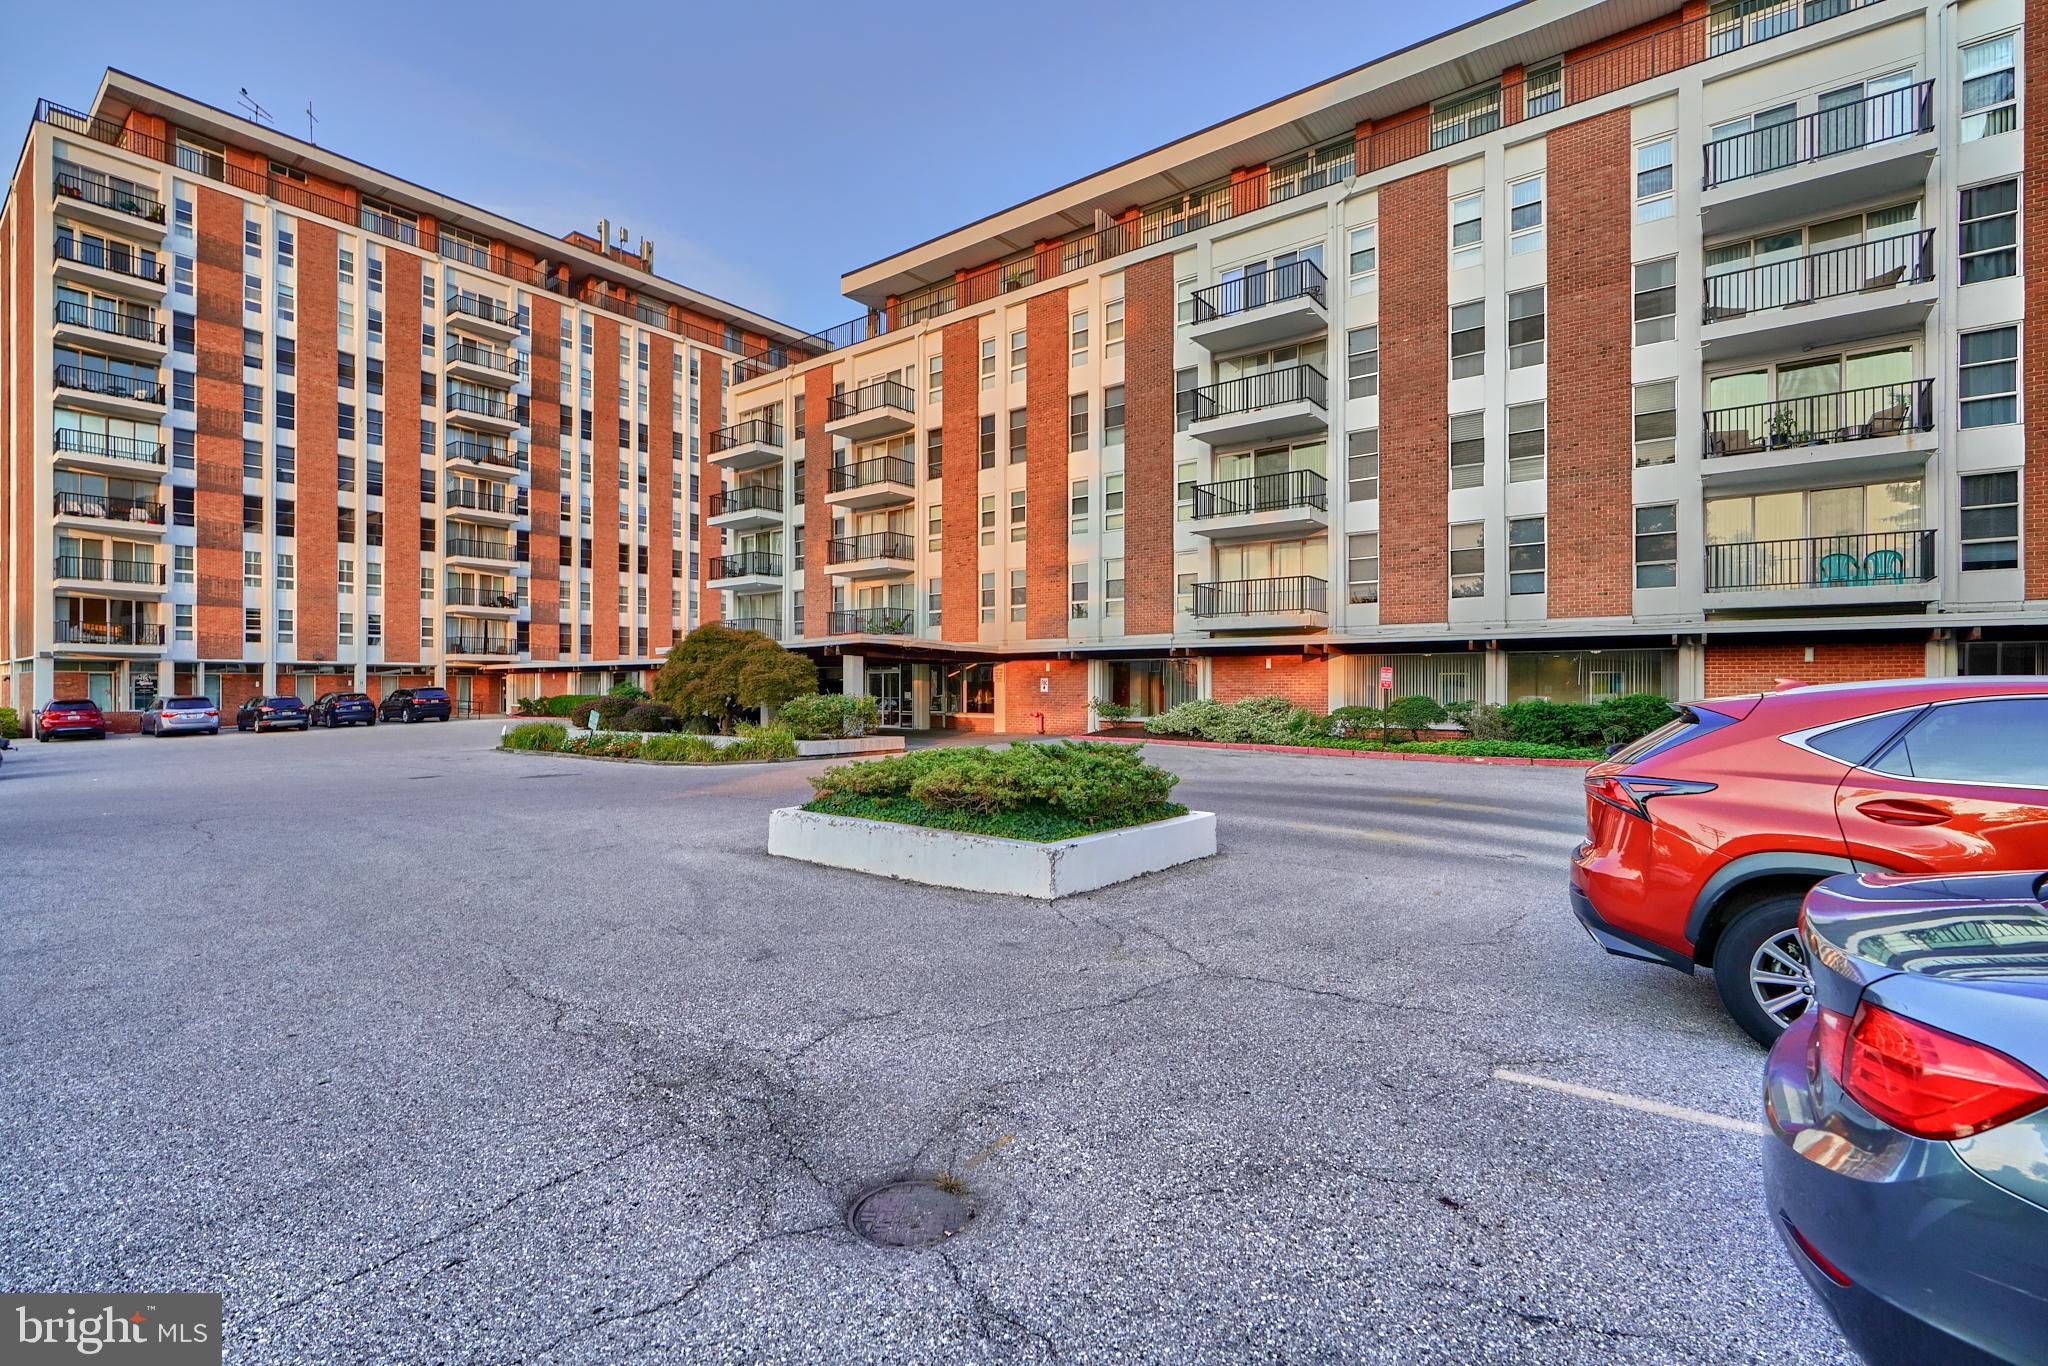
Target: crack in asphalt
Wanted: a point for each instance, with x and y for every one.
(983, 1311)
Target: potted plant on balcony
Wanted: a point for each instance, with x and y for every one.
(1784, 427)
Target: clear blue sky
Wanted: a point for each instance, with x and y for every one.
(764, 147)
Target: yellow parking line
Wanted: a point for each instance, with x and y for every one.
(1647, 1106)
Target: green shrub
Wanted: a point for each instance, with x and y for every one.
(535, 735)
(1253, 721)
(1357, 722)
(1538, 722)
(1495, 749)
(829, 716)
(1414, 713)
(10, 724)
(1632, 716)
(1113, 712)
(759, 742)
(576, 706)
(678, 749)
(648, 716)
(1026, 790)
(1483, 721)
(632, 692)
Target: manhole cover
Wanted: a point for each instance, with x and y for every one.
(915, 1212)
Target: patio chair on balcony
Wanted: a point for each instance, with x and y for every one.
(1737, 442)
(1838, 570)
(1888, 280)
(1886, 421)
(1884, 566)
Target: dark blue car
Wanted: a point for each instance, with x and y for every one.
(343, 709)
(1907, 1167)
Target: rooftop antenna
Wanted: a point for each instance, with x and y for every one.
(256, 111)
(310, 121)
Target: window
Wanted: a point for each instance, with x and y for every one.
(1113, 417)
(934, 600)
(988, 441)
(287, 517)
(1018, 512)
(1973, 742)
(1467, 231)
(1468, 450)
(988, 597)
(1656, 419)
(252, 569)
(1020, 435)
(1657, 546)
(988, 519)
(935, 453)
(1112, 328)
(1362, 362)
(182, 388)
(1525, 328)
(184, 558)
(1525, 442)
(1988, 88)
(1365, 258)
(1465, 116)
(252, 625)
(1991, 520)
(934, 526)
(184, 448)
(287, 570)
(1656, 300)
(1362, 566)
(1184, 491)
(1112, 588)
(1654, 181)
(287, 410)
(1990, 231)
(1543, 89)
(1468, 340)
(252, 349)
(287, 356)
(1018, 346)
(181, 274)
(345, 421)
(1183, 399)
(1077, 422)
(1077, 339)
(285, 626)
(1468, 559)
(252, 459)
(252, 293)
(1525, 216)
(1988, 377)
(1077, 590)
(1525, 555)
(252, 512)
(287, 303)
(988, 364)
(185, 333)
(1362, 461)
(182, 615)
(1112, 502)
(1017, 592)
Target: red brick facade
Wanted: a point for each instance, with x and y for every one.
(1304, 682)
(401, 456)
(817, 455)
(661, 469)
(1148, 447)
(18, 512)
(2034, 347)
(1414, 378)
(1060, 709)
(218, 445)
(960, 532)
(544, 502)
(1045, 468)
(1735, 667)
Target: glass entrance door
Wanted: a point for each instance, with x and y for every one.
(885, 685)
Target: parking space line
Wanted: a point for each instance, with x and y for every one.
(1647, 1106)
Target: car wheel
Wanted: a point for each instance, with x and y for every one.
(1760, 967)
(411, 716)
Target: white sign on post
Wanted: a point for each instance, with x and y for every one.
(1044, 684)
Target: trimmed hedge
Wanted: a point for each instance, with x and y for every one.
(829, 716)
(10, 724)
(563, 704)
(767, 742)
(1560, 730)
(1030, 791)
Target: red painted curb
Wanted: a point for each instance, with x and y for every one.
(1352, 753)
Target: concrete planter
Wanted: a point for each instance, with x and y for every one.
(986, 863)
(862, 744)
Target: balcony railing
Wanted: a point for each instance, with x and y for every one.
(100, 570)
(88, 191)
(770, 627)
(481, 405)
(1262, 493)
(747, 498)
(94, 381)
(883, 393)
(476, 500)
(78, 441)
(1883, 117)
(458, 643)
(482, 452)
(458, 595)
(109, 633)
(874, 545)
(753, 431)
(1866, 268)
(747, 564)
(1296, 279)
(112, 509)
(1268, 388)
(1873, 559)
(1255, 597)
(872, 621)
(115, 322)
(473, 549)
(482, 309)
(882, 469)
(467, 353)
(1821, 419)
(112, 258)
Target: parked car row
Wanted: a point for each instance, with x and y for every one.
(185, 715)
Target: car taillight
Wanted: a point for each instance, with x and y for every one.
(1925, 1081)
(1633, 795)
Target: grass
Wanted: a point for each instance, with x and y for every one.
(1039, 824)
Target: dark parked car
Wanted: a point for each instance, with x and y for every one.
(1908, 1168)
(69, 716)
(271, 713)
(416, 704)
(332, 709)
(169, 715)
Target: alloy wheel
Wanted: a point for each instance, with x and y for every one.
(1779, 977)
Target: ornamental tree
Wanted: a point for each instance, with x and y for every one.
(720, 673)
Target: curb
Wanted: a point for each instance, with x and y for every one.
(1353, 753)
(651, 763)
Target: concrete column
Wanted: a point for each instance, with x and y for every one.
(854, 675)
(270, 674)
(921, 696)
(166, 678)
(1944, 658)
(1692, 670)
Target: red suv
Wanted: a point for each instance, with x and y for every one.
(70, 716)
(1703, 837)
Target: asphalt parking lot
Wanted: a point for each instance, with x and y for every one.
(421, 1052)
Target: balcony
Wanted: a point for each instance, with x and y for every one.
(872, 621)
(1870, 149)
(137, 396)
(880, 482)
(488, 456)
(1285, 604)
(745, 571)
(125, 635)
(467, 360)
(472, 550)
(472, 600)
(481, 317)
(1289, 503)
(1273, 306)
(770, 627)
(479, 644)
(100, 513)
(750, 445)
(120, 578)
(95, 201)
(883, 408)
(875, 555)
(747, 507)
(1290, 401)
(1883, 429)
(487, 505)
(482, 412)
(102, 328)
(109, 266)
(1805, 572)
(1886, 285)
(129, 456)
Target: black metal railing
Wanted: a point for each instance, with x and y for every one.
(141, 510)
(1873, 559)
(483, 358)
(460, 643)
(1268, 388)
(873, 545)
(872, 621)
(1295, 280)
(482, 405)
(770, 627)
(1248, 597)
(101, 570)
(881, 469)
(115, 322)
(77, 441)
(88, 191)
(1821, 419)
(1262, 493)
(481, 452)
(1882, 117)
(477, 500)
(747, 498)
(882, 393)
(747, 564)
(109, 633)
(112, 257)
(474, 549)
(754, 430)
(459, 595)
(1866, 268)
(96, 381)
(482, 309)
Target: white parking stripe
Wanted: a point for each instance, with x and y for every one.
(1653, 1107)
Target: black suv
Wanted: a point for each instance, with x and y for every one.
(416, 704)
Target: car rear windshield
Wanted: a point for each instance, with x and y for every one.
(188, 704)
(281, 702)
(1689, 724)
(352, 697)
(431, 694)
(73, 702)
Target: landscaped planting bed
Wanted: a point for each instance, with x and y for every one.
(548, 737)
(1026, 792)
